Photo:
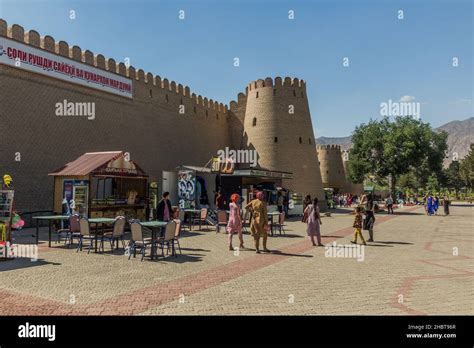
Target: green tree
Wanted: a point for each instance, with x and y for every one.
(432, 184)
(409, 180)
(466, 168)
(452, 177)
(384, 148)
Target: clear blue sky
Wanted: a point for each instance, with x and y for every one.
(389, 58)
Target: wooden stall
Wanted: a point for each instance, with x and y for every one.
(101, 184)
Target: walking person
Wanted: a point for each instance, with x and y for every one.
(286, 204)
(435, 205)
(306, 202)
(389, 204)
(446, 204)
(259, 221)
(220, 200)
(358, 226)
(429, 205)
(234, 226)
(280, 202)
(314, 222)
(369, 220)
(164, 211)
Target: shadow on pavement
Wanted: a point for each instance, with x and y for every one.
(403, 213)
(379, 245)
(281, 253)
(21, 263)
(390, 242)
(286, 235)
(181, 258)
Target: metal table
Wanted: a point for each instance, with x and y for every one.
(154, 225)
(97, 222)
(192, 212)
(50, 219)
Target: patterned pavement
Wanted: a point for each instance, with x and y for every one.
(417, 265)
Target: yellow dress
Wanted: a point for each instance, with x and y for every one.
(259, 217)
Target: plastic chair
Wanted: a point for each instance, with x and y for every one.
(85, 234)
(137, 240)
(280, 224)
(177, 233)
(202, 218)
(168, 239)
(221, 220)
(116, 234)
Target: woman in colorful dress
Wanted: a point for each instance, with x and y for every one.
(259, 222)
(429, 205)
(234, 226)
(314, 220)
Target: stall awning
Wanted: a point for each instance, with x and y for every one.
(110, 163)
(261, 173)
(194, 168)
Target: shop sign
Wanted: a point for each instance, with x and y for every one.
(223, 167)
(36, 60)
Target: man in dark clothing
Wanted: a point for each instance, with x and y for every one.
(164, 211)
(220, 200)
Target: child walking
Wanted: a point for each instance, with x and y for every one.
(234, 226)
(358, 226)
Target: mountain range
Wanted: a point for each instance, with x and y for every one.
(460, 136)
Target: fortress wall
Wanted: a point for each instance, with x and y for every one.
(148, 126)
(284, 140)
(237, 120)
(332, 169)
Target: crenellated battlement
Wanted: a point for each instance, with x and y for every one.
(328, 147)
(62, 48)
(278, 82)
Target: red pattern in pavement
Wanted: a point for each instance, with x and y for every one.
(138, 301)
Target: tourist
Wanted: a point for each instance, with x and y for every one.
(368, 201)
(235, 221)
(313, 221)
(446, 203)
(389, 204)
(306, 202)
(358, 226)
(429, 205)
(435, 205)
(286, 204)
(280, 202)
(259, 221)
(349, 200)
(164, 211)
(220, 200)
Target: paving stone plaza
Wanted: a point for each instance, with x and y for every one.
(417, 265)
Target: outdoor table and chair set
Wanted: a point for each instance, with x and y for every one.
(156, 234)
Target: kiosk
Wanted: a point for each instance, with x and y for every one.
(101, 184)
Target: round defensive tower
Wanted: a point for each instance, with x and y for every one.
(278, 125)
(332, 169)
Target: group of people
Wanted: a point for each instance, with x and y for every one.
(340, 200)
(259, 225)
(312, 218)
(432, 204)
